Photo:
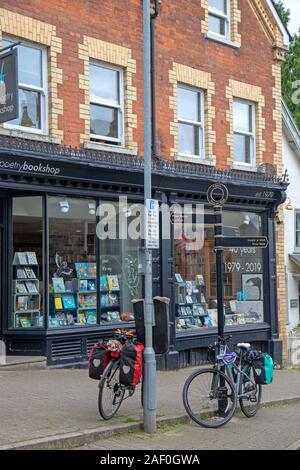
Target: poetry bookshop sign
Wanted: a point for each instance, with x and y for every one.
(9, 86)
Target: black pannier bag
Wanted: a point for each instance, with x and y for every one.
(98, 359)
(131, 363)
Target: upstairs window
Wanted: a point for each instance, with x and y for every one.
(219, 17)
(106, 104)
(191, 121)
(33, 93)
(244, 132)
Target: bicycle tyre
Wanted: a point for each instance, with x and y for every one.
(111, 372)
(218, 376)
(250, 412)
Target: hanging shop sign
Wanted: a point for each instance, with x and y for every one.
(9, 108)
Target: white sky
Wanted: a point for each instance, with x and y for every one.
(294, 6)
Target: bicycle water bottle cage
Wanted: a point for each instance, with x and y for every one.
(226, 359)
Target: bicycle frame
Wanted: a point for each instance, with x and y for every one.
(228, 369)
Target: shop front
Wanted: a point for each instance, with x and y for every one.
(65, 284)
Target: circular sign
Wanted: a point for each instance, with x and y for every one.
(217, 194)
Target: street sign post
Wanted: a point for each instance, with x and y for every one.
(217, 195)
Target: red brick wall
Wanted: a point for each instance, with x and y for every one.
(178, 39)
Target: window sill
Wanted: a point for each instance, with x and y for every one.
(29, 136)
(226, 42)
(197, 160)
(236, 166)
(109, 148)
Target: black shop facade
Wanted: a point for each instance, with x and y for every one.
(63, 287)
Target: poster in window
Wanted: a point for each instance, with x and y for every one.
(252, 311)
(252, 285)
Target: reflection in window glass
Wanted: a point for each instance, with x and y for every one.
(120, 281)
(104, 121)
(244, 132)
(216, 25)
(29, 109)
(28, 300)
(106, 104)
(104, 83)
(72, 262)
(32, 86)
(190, 121)
(196, 279)
(220, 5)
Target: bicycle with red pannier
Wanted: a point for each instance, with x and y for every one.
(118, 365)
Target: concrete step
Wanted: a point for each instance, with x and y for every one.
(23, 363)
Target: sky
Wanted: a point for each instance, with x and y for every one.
(294, 6)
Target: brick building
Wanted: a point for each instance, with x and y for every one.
(78, 143)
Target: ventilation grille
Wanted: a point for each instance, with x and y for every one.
(65, 349)
(90, 343)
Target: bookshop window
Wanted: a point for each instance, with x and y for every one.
(72, 262)
(196, 280)
(120, 281)
(28, 305)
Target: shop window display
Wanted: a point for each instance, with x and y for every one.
(83, 289)
(27, 263)
(120, 280)
(195, 277)
(72, 262)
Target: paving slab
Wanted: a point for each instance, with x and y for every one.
(38, 404)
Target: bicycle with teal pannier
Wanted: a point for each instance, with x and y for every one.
(211, 396)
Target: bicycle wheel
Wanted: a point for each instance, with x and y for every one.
(111, 393)
(251, 403)
(210, 398)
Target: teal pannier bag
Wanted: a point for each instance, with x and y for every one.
(263, 369)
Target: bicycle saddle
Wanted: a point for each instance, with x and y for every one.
(244, 345)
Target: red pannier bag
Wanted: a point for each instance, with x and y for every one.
(131, 363)
(98, 359)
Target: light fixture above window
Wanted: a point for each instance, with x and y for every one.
(64, 206)
(92, 208)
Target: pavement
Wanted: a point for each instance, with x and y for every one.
(273, 428)
(57, 408)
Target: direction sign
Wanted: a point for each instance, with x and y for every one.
(243, 242)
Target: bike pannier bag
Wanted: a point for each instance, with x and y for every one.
(263, 369)
(131, 363)
(98, 359)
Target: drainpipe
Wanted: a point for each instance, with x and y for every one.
(153, 91)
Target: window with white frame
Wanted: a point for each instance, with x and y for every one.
(244, 132)
(191, 121)
(33, 88)
(219, 17)
(106, 104)
(297, 230)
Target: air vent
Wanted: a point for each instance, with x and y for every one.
(65, 349)
(90, 343)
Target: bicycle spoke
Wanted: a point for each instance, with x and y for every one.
(210, 398)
